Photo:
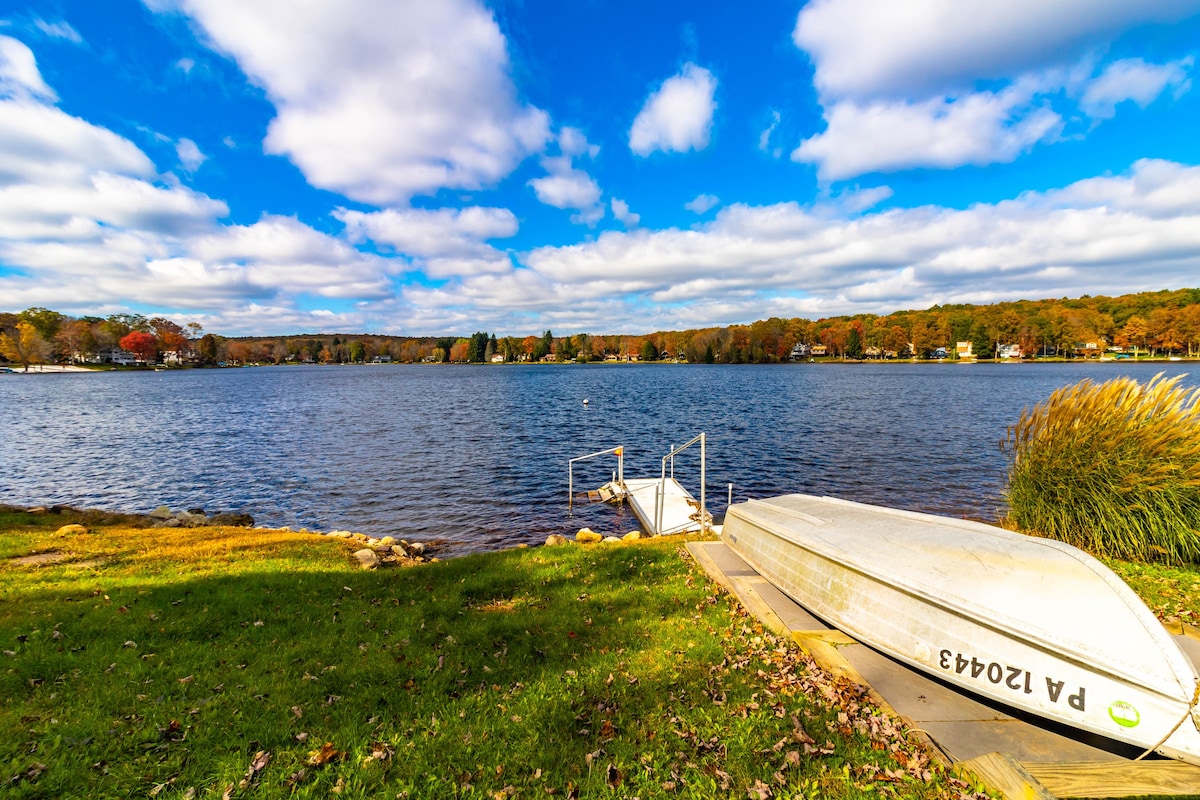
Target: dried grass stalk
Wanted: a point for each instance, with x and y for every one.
(1112, 468)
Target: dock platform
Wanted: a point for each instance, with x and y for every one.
(1015, 755)
(680, 510)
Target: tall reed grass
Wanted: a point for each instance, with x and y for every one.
(1112, 468)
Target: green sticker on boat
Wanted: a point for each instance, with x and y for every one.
(1124, 714)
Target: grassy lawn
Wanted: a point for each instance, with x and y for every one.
(231, 662)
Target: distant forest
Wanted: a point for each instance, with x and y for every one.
(1153, 323)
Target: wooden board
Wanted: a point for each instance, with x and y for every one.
(1118, 780)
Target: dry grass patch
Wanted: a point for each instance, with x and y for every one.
(1112, 468)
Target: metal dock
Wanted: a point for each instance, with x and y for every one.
(662, 505)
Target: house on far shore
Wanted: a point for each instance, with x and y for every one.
(115, 355)
(1008, 351)
(963, 349)
(801, 351)
(498, 359)
(819, 350)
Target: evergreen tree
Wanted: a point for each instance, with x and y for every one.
(854, 346)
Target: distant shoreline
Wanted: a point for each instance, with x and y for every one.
(52, 369)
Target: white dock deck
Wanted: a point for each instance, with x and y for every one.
(678, 509)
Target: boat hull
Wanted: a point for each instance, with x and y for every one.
(1031, 623)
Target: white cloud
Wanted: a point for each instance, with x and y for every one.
(876, 48)
(185, 65)
(854, 201)
(190, 157)
(701, 203)
(58, 30)
(281, 255)
(40, 144)
(981, 128)
(1133, 79)
(566, 186)
(677, 116)
(19, 75)
(621, 211)
(445, 241)
(764, 138)
(900, 82)
(380, 100)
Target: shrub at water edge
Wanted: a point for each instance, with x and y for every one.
(1112, 468)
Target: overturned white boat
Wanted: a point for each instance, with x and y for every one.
(1032, 623)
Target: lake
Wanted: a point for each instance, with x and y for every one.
(478, 455)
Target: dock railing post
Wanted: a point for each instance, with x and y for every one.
(618, 451)
(659, 497)
(703, 508)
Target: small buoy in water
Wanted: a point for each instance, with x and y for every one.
(585, 401)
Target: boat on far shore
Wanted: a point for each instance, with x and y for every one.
(1031, 623)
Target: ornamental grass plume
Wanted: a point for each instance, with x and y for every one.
(1111, 468)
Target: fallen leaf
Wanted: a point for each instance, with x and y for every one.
(323, 756)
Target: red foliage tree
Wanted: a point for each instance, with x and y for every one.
(141, 344)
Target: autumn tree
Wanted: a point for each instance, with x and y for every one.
(171, 336)
(210, 349)
(1133, 334)
(75, 340)
(45, 321)
(143, 345)
(23, 344)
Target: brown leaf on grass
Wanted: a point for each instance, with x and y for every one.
(380, 751)
(228, 792)
(759, 791)
(612, 776)
(327, 753)
(297, 712)
(799, 734)
(296, 778)
(257, 765)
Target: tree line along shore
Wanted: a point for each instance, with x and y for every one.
(1146, 324)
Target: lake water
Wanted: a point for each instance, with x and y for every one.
(478, 455)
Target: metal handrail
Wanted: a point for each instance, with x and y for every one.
(619, 450)
(662, 483)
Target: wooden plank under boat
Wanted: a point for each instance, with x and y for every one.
(1031, 623)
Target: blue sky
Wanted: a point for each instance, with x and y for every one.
(611, 167)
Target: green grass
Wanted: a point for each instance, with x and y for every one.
(209, 662)
(1112, 468)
